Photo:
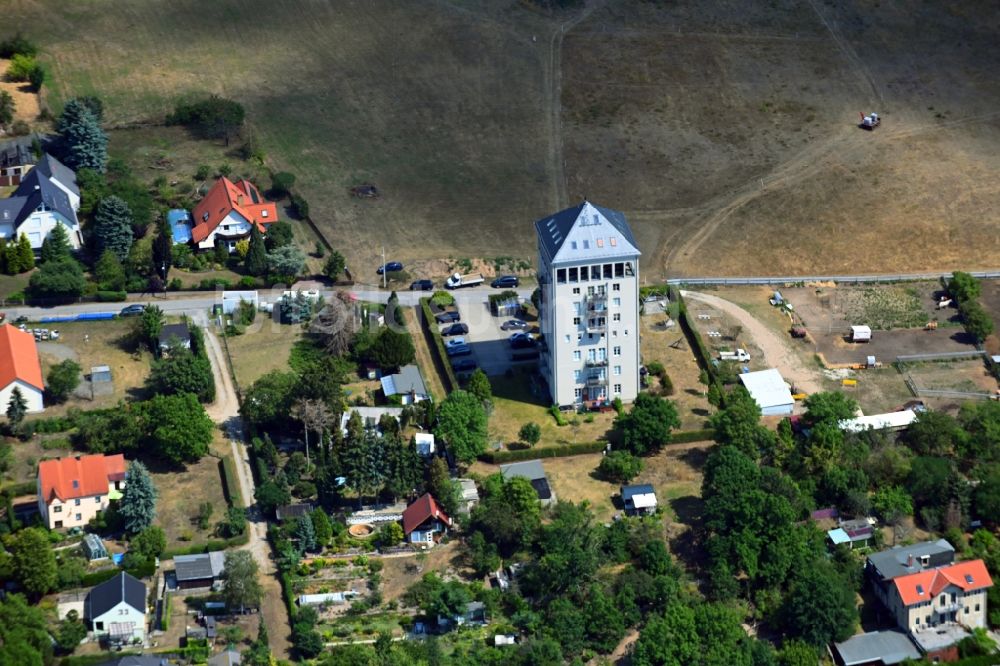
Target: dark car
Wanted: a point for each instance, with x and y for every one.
(464, 365)
(505, 282)
(421, 285)
(133, 310)
(524, 342)
(455, 329)
(390, 267)
(514, 325)
(448, 317)
(459, 350)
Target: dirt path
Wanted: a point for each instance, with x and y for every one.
(424, 358)
(226, 412)
(777, 352)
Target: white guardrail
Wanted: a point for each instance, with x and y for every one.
(792, 279)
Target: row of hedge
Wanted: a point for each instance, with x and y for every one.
(688, 436)
(434, 341)
(209, 546)
(701, 352)
(231, 481)
(503, 457)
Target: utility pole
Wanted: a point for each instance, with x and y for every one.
(383, 267)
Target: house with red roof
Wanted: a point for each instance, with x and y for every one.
(72, 491)
(20, 368)
(424, 521)
(227, 214)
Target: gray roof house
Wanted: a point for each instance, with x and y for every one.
(903, 560)
(116, 609)
(201, 570)
(226, 658)
(46, 196)
(876, 647)
(533, 471)
(406, 383)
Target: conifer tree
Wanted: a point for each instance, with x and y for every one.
(256, 259)
(138, 504)
(56, 245)
(25, 255)
(113, 227)
(17, 407)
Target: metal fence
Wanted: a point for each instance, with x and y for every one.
(943, 356)
(849, 279)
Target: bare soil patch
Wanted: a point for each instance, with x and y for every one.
(26, 103)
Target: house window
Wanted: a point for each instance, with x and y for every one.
(600, 242)
(977, 608)
(99, 626)
(620, 270)
(58, 524)
(97, 499)
(584, 272)
(76, 502)
(79, 517)
(578, 376)
(943, 597)
(618, 388)
(614, 241)
(616, 302)
(576, 291)
(561, 275)
(966, 610)
(76, 484)
(579, 336)
(579, 394)
(618, 370)
(616, 351)
(574, 275)
(576, 355)
(57, 509)
(263, 213)
(616, 317)
(602, 354)
(576, 321)
(567, 337)
(616, 286)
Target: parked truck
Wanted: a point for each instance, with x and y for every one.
(458, 280)
(740, 355)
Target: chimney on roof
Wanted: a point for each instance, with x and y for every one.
(909, 560)
(38, 187)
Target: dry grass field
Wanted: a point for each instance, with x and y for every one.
(725, 130)
(263, 348)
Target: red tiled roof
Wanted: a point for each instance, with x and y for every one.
(90, 474)
(19, 358)
(968, 576)
(417, 513)
(224, 197)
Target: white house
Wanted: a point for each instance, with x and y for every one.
(20, 368)
(425, 444)
(116, 610)
(46, 197)
(227, 213)
(769, 391)
(588, 278)
(72, 491)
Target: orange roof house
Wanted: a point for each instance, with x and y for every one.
(236, 204)
(925, 585)
(20, 367)
(71, 491)
(423, 519)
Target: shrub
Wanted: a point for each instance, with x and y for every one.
(558, 416)
(655, 368)
(620, 466)
(301, 206)
(111, 296)
(501, 457)
(666, 384)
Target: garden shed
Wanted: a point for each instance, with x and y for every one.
(93, 548)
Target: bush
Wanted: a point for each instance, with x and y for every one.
(666, 384)
(17, 45)
(111, 296)
(620, 467)
(501, 457)
(300, 206)
(557, 415)
(282, 182)
(655, 368)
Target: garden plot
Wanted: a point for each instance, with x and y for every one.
(950, 378)
(885, 308)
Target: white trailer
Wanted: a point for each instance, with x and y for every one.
(740, 355)
(861, 334)
(469, 280)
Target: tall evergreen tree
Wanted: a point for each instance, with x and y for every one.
(109, 272)
(16, 408)
(86, 142)
(113, 227)
(56, 245)
(25, 255)
(256, 259)
(305, 532)
(138, 503)
(163, 249)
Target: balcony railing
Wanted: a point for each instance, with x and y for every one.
(596, 328)
(596, 362)
(597, 381)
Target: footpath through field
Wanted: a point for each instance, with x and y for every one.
(777, 351)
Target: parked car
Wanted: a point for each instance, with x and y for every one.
(133, 310)
(448, 317)
(464, 365)
(455, 342)
(514, 325)
(390, 267)
(522, 343)
(421, 285)
(519, 335)
(455, 329)
(505, 282)
(460, 350)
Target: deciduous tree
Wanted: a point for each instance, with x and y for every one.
(530, 433)
(462, 425)
(24, 635)
(138, 504)
(820, 606)
(63, 378)
(620, 466)
(109, 272)
(335, 265)
(393, 349)
(181, 371)
(240, 587)
(647, 426)
(150, 542)
(33, 562)
(179, 429)
(335, 325)
(279, 234)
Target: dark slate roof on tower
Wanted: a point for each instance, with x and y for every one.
(596, 232)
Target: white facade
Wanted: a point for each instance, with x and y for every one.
(32, 395)
(588, 273)
(76, 512)
(39, 224)
(233, 225)
(121, 616)
(951, 605)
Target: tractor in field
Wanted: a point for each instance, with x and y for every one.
(869, 122)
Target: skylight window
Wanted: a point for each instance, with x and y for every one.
(968, 578)
(920, 590)
(76, 484)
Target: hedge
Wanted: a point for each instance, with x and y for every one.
(230, 482)
(701, 352)
(434, 341)
(688, 436)
(18, 489)
(561, 451)
(53, 424)
(208, 546)
(111, 296)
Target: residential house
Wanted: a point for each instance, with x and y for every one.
(48, 195)
(876, 648)
(175, 334)
(639, 500)
(225, 658)
(72, 491)
(533, 471)
(199, 571)
(20, 368)
(116, 610)
(407, 383)
(425, 444)
(588, 278)
(16, 160)
(882, 567)
(370, 416)
(424, 521)
(852, 532)
(227, 212)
